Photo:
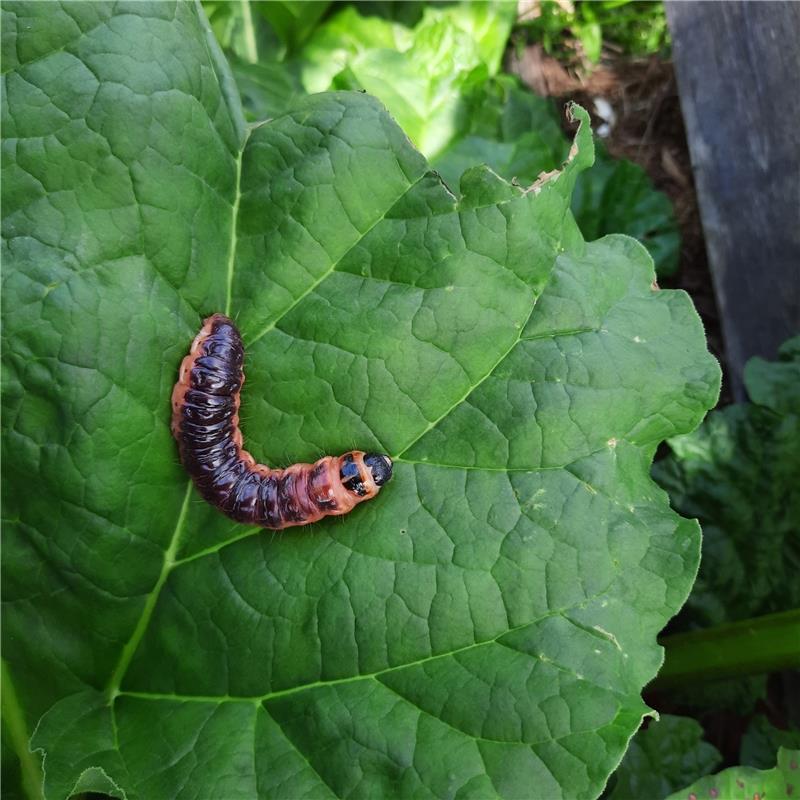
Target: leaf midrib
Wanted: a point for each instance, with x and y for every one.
(132, 644)
(235, 223)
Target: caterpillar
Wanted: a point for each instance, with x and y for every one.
(205, 423)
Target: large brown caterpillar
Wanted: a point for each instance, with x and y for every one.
(205, 423)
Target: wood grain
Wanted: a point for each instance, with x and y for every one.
(738, 69)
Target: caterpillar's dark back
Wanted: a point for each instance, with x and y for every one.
(205, 423)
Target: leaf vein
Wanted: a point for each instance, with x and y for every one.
(334, 264)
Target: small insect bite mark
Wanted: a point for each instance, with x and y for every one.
(205, 423)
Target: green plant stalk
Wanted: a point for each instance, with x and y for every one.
(14, 720)
(249, 32)
(752, 646)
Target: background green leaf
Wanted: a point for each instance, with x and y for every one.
(633, 27)
(662, 758)
(776, 384)
(263, 31)
(421, 74)
(617, 195)
(507, 128)
(292, 20)
(486, 624)
(738, 474)
(244, 34)
(762, 740)
(267, 89)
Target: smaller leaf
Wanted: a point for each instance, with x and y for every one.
(662, 757)
(780, 783)
(509, 129)
(343, 36)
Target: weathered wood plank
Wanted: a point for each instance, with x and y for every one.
(738, 69)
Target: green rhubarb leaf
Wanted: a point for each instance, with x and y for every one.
(487, 623)
(738, 474)
(776, 384)
(662, 757)
(780, 783)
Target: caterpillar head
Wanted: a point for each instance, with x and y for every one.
(379, 466)
(363, 474)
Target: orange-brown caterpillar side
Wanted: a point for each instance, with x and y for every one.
(205, 423)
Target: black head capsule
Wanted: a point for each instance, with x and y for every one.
(351, 476)
(380, 466)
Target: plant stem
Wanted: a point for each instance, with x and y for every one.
(752, 646)
(14, 720)
(249, 33)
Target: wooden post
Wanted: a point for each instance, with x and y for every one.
(738, 70)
